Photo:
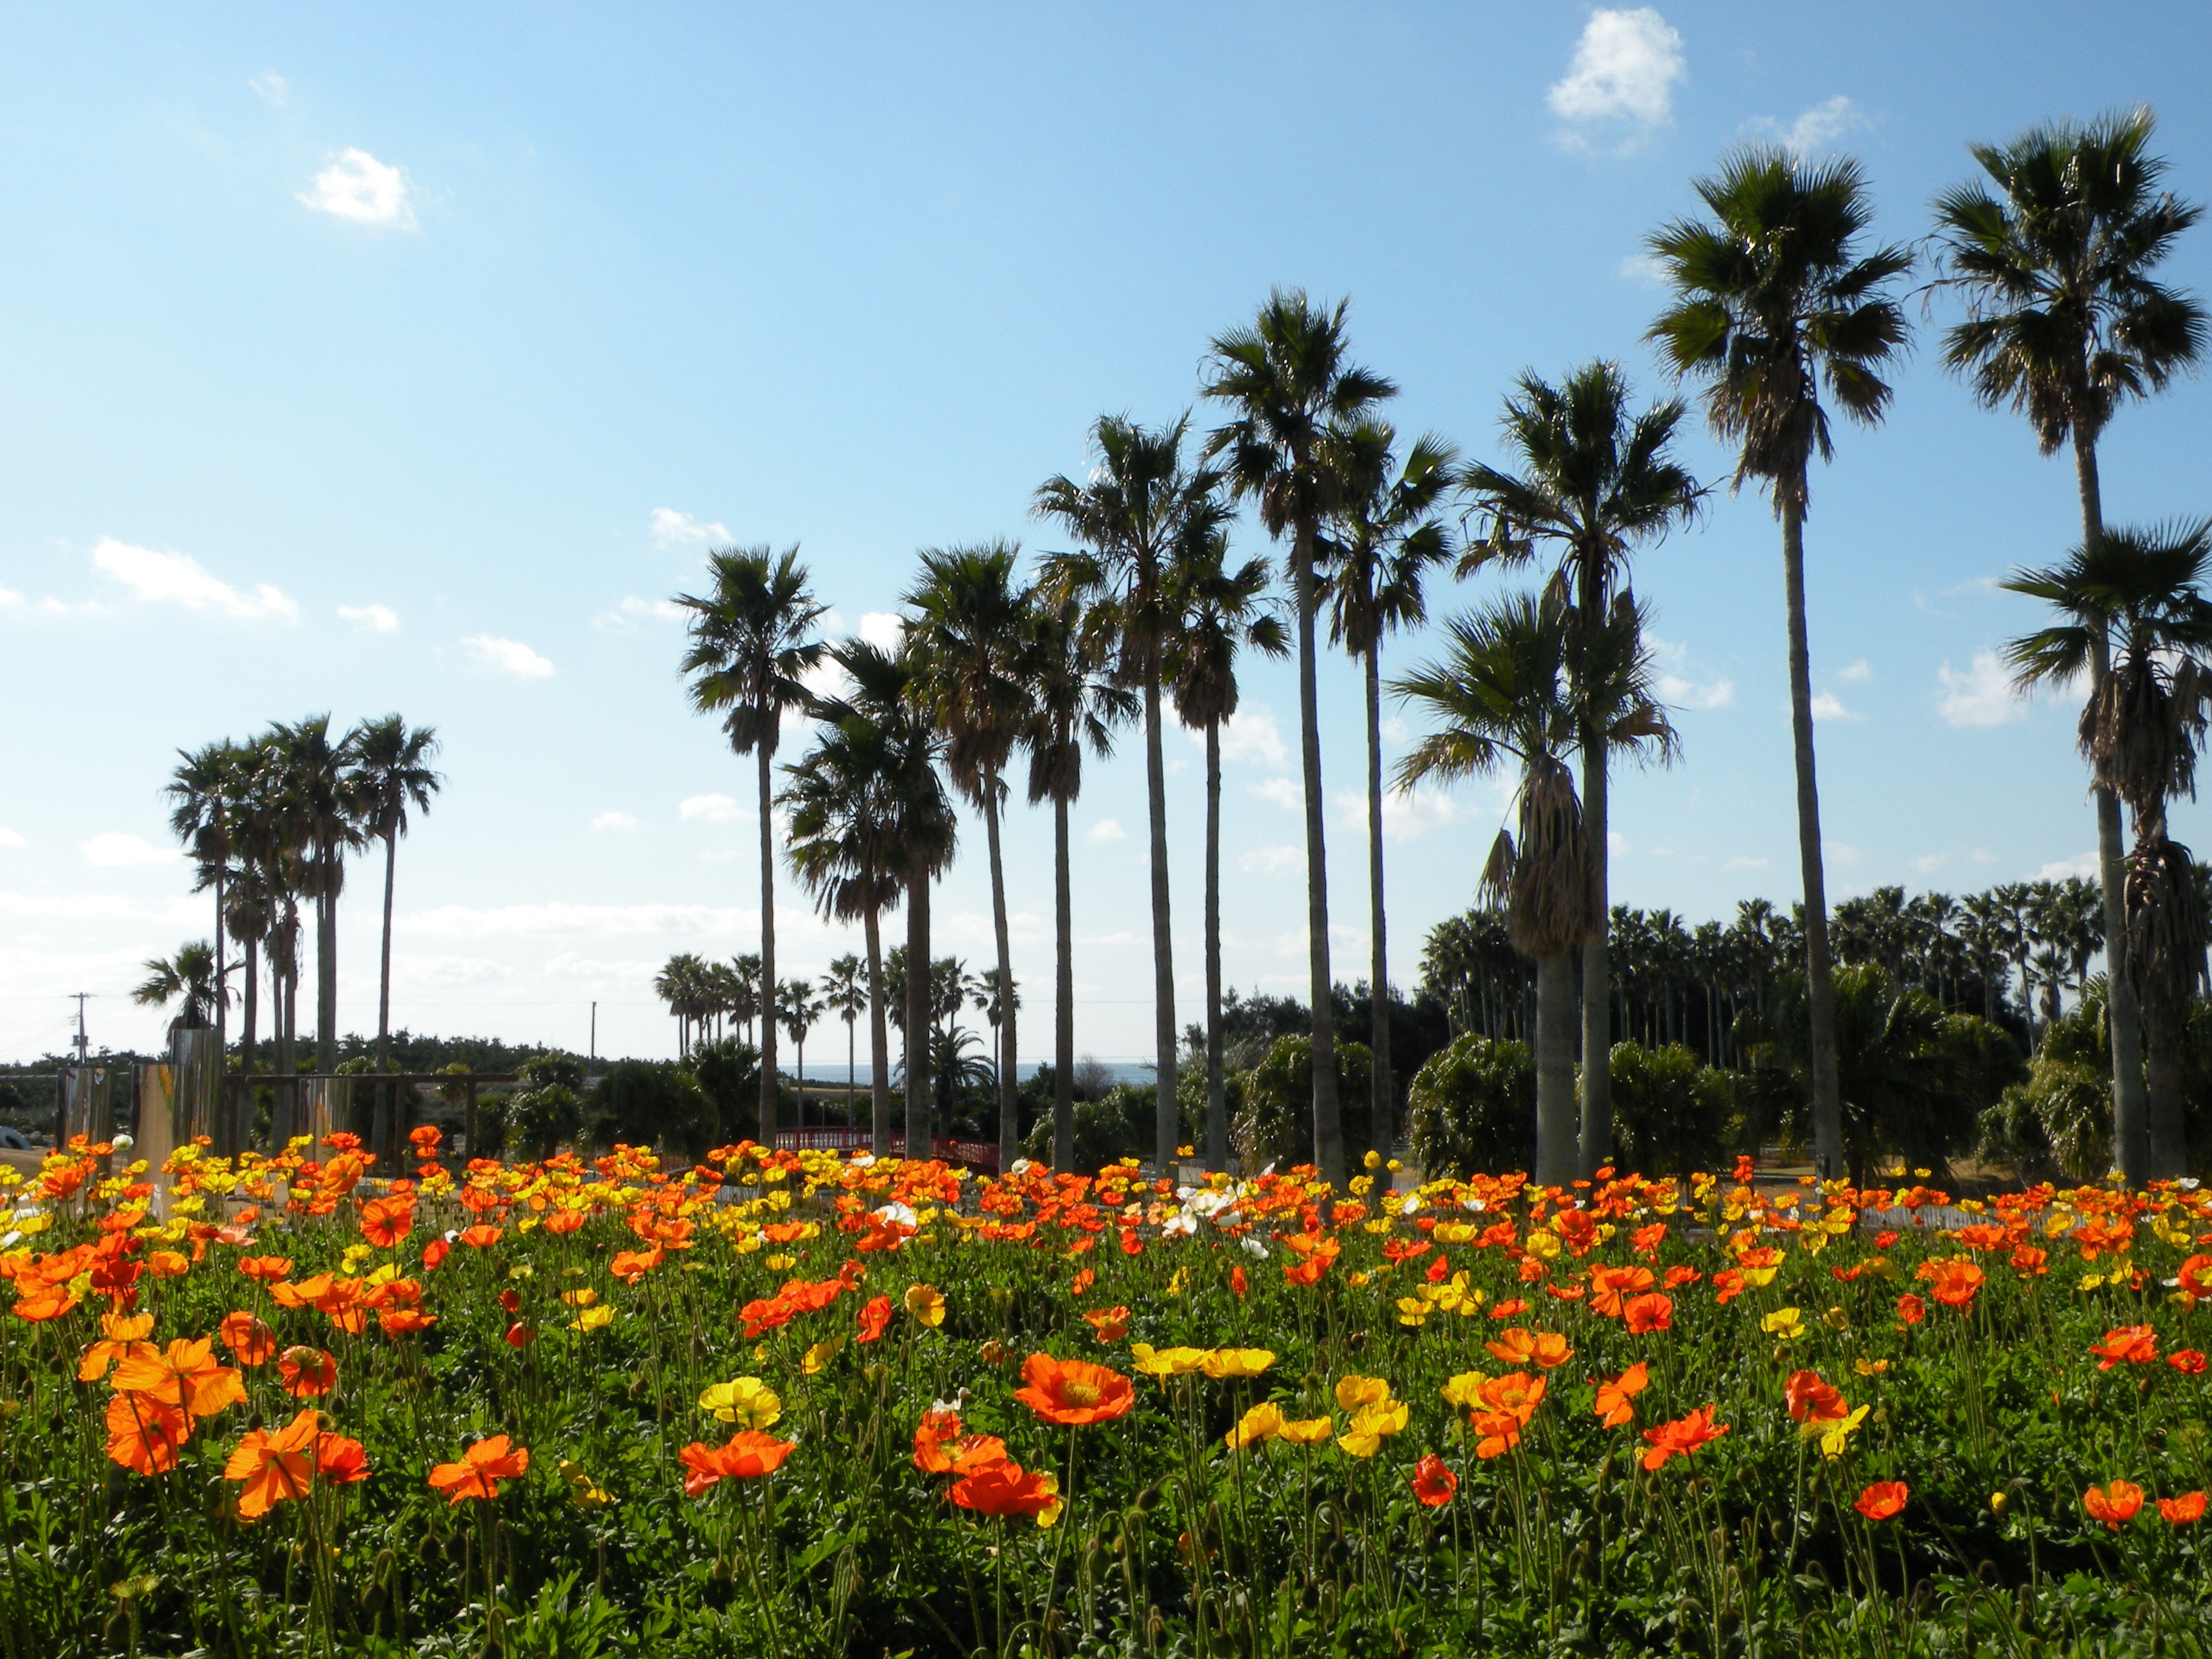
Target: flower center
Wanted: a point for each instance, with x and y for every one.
(1079, 1393)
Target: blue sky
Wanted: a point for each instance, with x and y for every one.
(410, 358)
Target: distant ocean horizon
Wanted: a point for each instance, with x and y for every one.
(1120, 1070)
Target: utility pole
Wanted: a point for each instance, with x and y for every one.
(82, 1046)
(595, 1031)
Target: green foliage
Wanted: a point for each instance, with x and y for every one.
(1473, 1108)
(728, 1073)
(1115, 1126)
(538, 1122)
(651, 1103)
(1671, 1115)
(1275, 1123)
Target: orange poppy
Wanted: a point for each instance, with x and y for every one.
(1111, 1324)
(306, 1373)
(875, 1316)
(1883, 1499)
(121, 1335)
(2114, 1504)
(143, 1435)
(1911, 1308)
(1083, 1281)
(1613, 1397)
(385, 1221)
(481, 1469)
(1003, 1490)
(2182, 1511)
(1812, 1400)
(340, 1461)
(185, 1375)
(405, 1322)
(746, 1456)
(2130, 1345)
(2190, 1362)
(264, 1266)
(936, 1430)
(250, 1342)
(1308, 1271)
(481, 1236)
(39, 1303)
(2196, 1279)
(1073, 1392)
(1652, 1312)
(1519, 1347)
(1611, 1287)
(1953, 1283)
(1682, 1436)
(275, 1465)
(1434, 1483)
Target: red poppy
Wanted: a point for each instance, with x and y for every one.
(1653, 1312)
(1812, 1400)
(1073, 1392)
(1883, 1499)
(433, 1253)
(1612, 1407)
(874, 1317)
(1682, 1436)
(2188, 1361)
(1434, 1483)
(1237, 1282)
(1003, 1488)
(481, 1469)
(1911, 1308)
(2130, 1345)
(746, 1456)
(520, 1334)
(306, 1373)
(2182, 1511)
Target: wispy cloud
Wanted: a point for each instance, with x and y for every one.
(359, 187)
(115, 850)
(614, 821)
(1622, 79)
(155, 578)
(1648, 268)
(270, 89)
(9, 837)
(370, 618)
(506, 657)
(674, 529)
(1928, 863)
(2081, 863)
(1280, 791)
(633, 610)
(1680, 693)
(1105, 831)
(1827, 706)
(1861, 670)
(712, 809)
(1742, 862)
(1981, 695)
(1273, 861)
(1250, 734)
(1816, 130)
(1407, 814)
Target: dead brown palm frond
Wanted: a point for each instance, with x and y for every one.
(2166, 929)
(1548, 912)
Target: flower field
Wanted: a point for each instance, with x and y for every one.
(795, 1405)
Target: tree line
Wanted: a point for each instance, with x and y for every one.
(1781, 315)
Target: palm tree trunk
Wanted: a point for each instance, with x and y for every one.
(1010, 1106)
(880, 1040)
(221, 1127)
(1328, 1121)
(1596, 1148)
(1165, 1121)
(240, 1104)
(326, 968)
(284, 992)
(1381, 1096)
(1063, 995)
(381, 1137)
(2122, 1014)
(765, 755)
(919, 1023)
(1555, 1071)
(1819, 990)
(852, 1066)
(1217, 1094)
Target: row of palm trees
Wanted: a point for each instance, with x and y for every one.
(1781, 314)
(267, 825)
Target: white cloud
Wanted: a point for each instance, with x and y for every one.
(723, 855)
(9, 837)
(2081, 863)
(614, 821)
(1250, 734)
(9, 599)
(1740, 862)
(1643, 268)
(1928, 864)
(1981, 695)
(1816, 130)
(270, 89)
(1827, 706)
(506, 656)
(359, 187)
(1406, 813)
(1615, 842)
(370, 618)
(1395, 732)
(1622, 78)
(633, 610)
(155, 578)
(1280, 792)
(1691, 694)
(1840, 852)
(1106, 830)
(115, 850)
(713, 809)
(1861, 670)
(674, 529)
(1983, 855)
(1275, 861)
(885, 630)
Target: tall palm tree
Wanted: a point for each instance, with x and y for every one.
(845, 994)
(1286, 381)
(968, 633)
(325, 815)
(1595, 480)
(678, 984)
(188, 979)
(1772, 297)
(205, 791)
(1501, 693)
(750, 643)
(1140, 502)
(798, 1008)
(1385, 534)
(870, 819)
(2134, 598)
(1218, 612)
(390, 772)
(1074, 704)
(2064, 322)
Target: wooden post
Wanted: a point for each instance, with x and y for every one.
(470, 1117)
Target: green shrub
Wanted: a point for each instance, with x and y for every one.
(1118, 1125)
(728, 1073)
(1472, 1109)
(538, 1122)
(1275, 1123)
(647, 1103)
(1672, 1114)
